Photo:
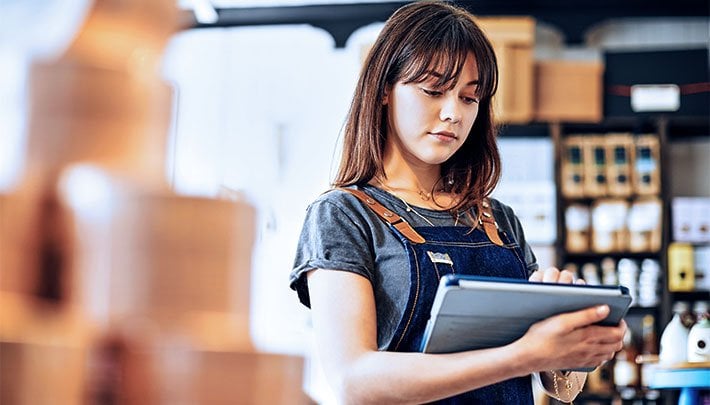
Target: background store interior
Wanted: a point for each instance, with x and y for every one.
(243, 107)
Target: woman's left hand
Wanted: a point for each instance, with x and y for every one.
(554, 275)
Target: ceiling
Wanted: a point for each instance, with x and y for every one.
(341, 17)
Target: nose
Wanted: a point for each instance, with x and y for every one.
(450, 110)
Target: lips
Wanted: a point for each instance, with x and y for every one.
(446, 136)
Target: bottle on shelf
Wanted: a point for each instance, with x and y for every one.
(628, 277)
(699, 335)
(649, 294)
(674, 340)
(648, 359)
(590, 274)
(572, 268)
(608, 266)
(687, 317)
(626, 374)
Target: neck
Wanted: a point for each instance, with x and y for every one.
(403, 174)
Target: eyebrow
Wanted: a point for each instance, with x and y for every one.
(438, 75)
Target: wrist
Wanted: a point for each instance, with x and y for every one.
(526, 360)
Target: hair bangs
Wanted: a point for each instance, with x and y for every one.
(441, 52)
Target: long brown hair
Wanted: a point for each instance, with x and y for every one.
(417, 37)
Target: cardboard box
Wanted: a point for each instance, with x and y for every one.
(578, 223)
(41, 373)
(568, 91)
(513, 39)
(609, 231)
(572, 166)
(645, 225)
(620, 153)
(647, 165)
(171, 370)
(595, 166)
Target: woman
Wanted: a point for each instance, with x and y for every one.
(420, 143)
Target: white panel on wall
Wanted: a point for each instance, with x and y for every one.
(528, 185)
(260, 112)
(13, 109)
(29, 30)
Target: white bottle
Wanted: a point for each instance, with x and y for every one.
(674, 340)
(699, 335)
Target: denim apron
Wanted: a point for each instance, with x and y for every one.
(436, 251)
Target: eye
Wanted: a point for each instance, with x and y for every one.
(469, 100)
(432, 93)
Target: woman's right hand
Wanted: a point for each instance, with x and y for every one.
(571, 340)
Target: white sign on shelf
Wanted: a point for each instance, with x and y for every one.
(655, 97)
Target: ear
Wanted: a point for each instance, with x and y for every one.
(386, 98)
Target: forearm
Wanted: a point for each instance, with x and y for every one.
(563, 387)
(391, 377)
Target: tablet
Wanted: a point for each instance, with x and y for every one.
(472, 312)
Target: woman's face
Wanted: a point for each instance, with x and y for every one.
(426, 124)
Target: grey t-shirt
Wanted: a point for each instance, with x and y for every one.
(341, 233)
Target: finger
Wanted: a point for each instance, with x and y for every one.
(580, 281)
(551, 275)
(566, 277)
(536, 276)
(622, 326)
(585, 317)
(604, 334)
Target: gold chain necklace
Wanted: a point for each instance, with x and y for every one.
(408, 207)
(424, 195)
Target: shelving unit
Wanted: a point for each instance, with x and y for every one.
(662, 126)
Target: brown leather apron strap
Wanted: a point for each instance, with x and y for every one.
(490, 226)
(388, 216)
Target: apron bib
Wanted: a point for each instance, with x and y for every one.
(436, 251)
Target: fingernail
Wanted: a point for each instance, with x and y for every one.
(603, 310)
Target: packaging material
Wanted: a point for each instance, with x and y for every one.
(182, 262)
(568, 91)
(572, 166)
(41, 373)
(620, 154)
(595, 166)
(691, 219)
(168, 369)
(513, 39)
(577, 221)
(644, 225)
(681, 267)
(647, 165)
(609, 231)
(18, 239)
